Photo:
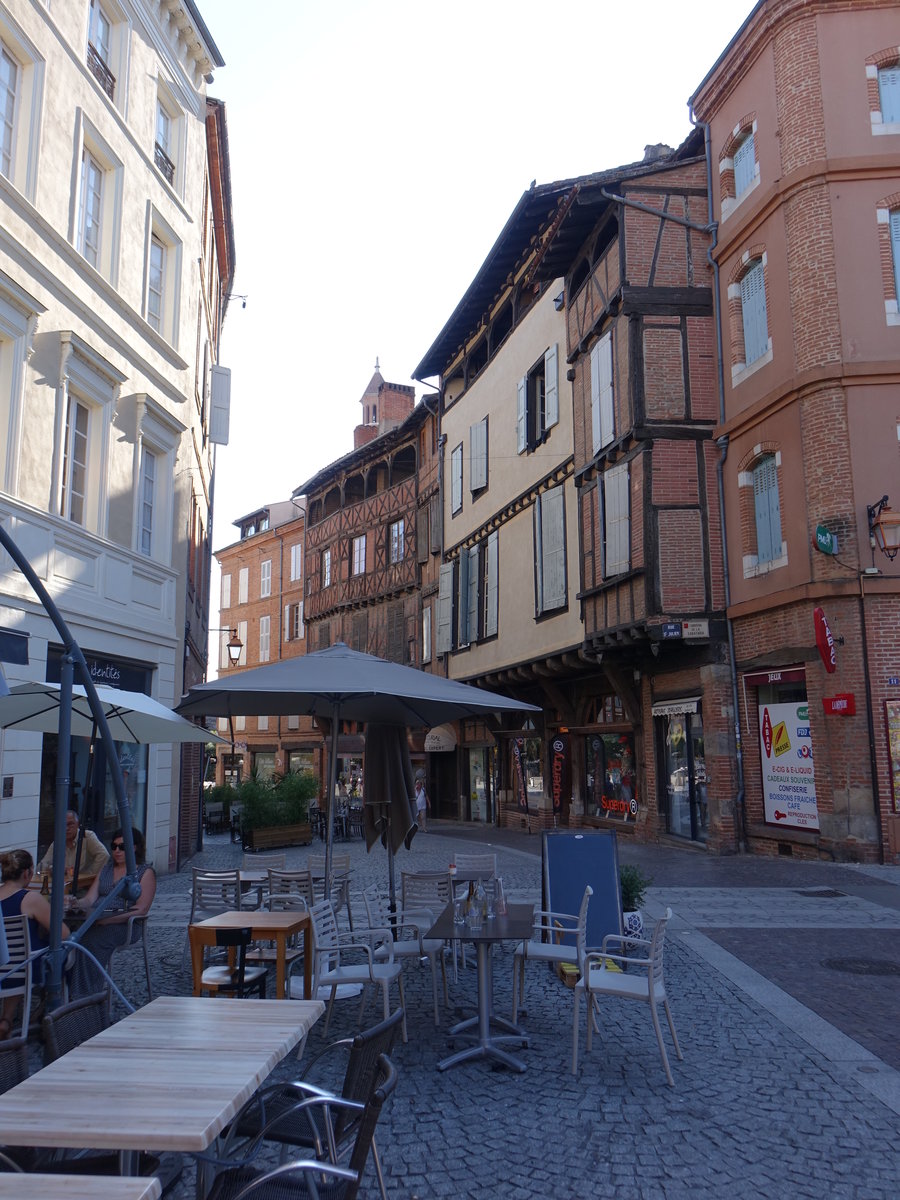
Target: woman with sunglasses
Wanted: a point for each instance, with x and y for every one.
(110, 930)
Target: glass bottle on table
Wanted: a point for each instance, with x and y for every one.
(480, 900)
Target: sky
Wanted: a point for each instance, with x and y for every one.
(377, 149)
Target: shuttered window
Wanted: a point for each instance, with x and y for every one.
(456, 479)
(491, 584)
(422, 537)
(436, 523)
(551, 388)
(474, 592)
(265, 578)
(603, 421)
(426, 634)
(445, 610)
(616, 521)
(550, 550)
(744, 165)
(889, 92)
(478, 454)
(895, 248)
(767, 508)
(462, 600)
(753, 309)
(522, 416)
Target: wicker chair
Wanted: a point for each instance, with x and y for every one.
(73, 1023)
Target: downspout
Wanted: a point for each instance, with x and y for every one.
(441, 443)
(740, 816)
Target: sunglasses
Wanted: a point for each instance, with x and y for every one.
(118, 845)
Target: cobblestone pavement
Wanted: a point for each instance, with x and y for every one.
(783, 981)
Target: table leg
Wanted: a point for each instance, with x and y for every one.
(487, 1046)
(280, 954)
(195, 937)
(307, 961)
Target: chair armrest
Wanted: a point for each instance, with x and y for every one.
(623, 939)
(598, 958)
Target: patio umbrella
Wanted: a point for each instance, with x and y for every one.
(387, 811)
(340, 683)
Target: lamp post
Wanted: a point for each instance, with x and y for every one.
(884, 528)
(234, 645)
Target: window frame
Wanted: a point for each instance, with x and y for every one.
(91, 144)
(537, 401)
(111, 75)
(754, 312)
(166, 321)
(614, 495)
(397, 541)
(550, 552)
(769, 545)
(326, 568)
(603, 393)
(27, 107)
(358, 555)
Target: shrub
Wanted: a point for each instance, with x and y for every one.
(633, 883)
(284, 801)
(222, 793)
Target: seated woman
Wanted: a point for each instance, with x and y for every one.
(16, 898)
(110, 931)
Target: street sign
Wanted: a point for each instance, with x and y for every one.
(671, 629)
(826, 541)
(695, 629)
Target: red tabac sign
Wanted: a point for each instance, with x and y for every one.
(825, 641)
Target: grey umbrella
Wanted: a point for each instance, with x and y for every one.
(340, 683)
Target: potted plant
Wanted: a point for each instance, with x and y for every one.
(276, 813)
(633, 884)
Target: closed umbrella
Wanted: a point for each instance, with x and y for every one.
(340, 683)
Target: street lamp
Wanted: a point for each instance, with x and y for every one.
(884, 528)
(234, 645)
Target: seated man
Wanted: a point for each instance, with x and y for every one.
(93, 853)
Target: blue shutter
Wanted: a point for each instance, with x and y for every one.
(491, 583)
(551, 388)
(889, 91)
(753, 308)
(522, 416)
(744, 165)
(767, 508)
(895, 248)
(445, 610)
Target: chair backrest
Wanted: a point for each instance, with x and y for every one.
(378, 909)
(581, 928)
(73, 1023)
(657, 947)
(325, 933)
(340, 865)
(384, 1084)
(263, 862)
(18, 942)
(428, 889)
(361, 1076)
(483, 864)
(215, 892)
(290, 890)
(239, 939)
(13, 1062)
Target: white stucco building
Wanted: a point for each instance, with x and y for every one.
(116, 259)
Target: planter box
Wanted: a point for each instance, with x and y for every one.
(272, 837)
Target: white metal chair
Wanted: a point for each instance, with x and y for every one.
(482, 865)
(408, 928)
(431, 890)
(338, 957)
(545, 944)
(212, 893)
(132, 942)
(17, 973)
(640, 979)
(289, 891)
(340, 881)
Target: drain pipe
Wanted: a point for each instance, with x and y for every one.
(740, 810)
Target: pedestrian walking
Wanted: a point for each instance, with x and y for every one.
(422, 801)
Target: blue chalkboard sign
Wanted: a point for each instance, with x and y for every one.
(572, 860)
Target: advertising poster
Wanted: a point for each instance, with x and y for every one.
(559, 752)
(521, 788)
(892, 716)
(788, 776)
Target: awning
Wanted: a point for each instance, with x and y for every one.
(440, 738)
(674, 708)
(777, 675)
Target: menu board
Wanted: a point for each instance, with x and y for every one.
(788, 774)
(892, 720)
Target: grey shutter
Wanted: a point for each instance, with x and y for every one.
(551, 388)
(473, 593)
(553, 548)
(478, 455)
(522, 416)
(538, 559)
(422, 535)
(607, 396)
(220, 406)
(889, 93)
(744, 165)
(492, 581)
(753, 310)
(617, 557)
(445, 610)
(456, 480)
(462, 601)
(595, 398)
(287, 622)
(895, 240)
(436, 523)
(767, 510)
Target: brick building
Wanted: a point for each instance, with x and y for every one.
(803, 115)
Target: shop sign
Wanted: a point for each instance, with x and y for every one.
(439, 739)
(695, 629)
(559, 748)
(825, 641)
(826, 541)
(842, 705)
(676, 708)
(788, 774)
(521, 786)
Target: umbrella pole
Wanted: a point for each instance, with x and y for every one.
(332, 788)
(63, 783)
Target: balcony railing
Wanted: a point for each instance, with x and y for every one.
(102, 73)
(164, 163)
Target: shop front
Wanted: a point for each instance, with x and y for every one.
(681, 760)
(611, 790)
(785, 747)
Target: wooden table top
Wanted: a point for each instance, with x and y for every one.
(77, 1187)
(287, 920)
(170, 1076)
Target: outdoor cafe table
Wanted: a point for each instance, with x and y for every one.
(265, 926)
(170, 1076)
(17, 1186)
(515, 926)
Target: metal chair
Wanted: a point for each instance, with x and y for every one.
(212, 893)
(408, 928)
(546, 945)
(136, 935)
(16, 974)
(73, 1023)
(274, 1108)
(301, 1179)
(431, 890)
(480, 865)
(238, 980)
(644, 981)
(340, 881)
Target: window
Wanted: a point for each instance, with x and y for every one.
(397, 547)
(293, 622)
(19, 313)
(753, 313)
(550, 551)
(226, 591)
(9, 78)
(895, 250)
(326, 568)
(156, 281)
(296, 561)
(243, 585)
(738, 165)
(162, 151)
(445, 609)
(91, 208)
(616, 521)
(744, 165)
(456, 479)
(262, 725)
(265, 637)
(21, 96)
(75, 462)
(889, 94)
(96, 216)
(491, 584)
(359, 555)
(100, 48)
(147, 501)
(426, 634)
(478, 455)
(242, 634)
(537, 402)
(603, 419)
(265, 578)
(767, 510)
(163, 271)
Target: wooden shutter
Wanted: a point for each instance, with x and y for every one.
(456, 480)
(595, 398)
(753, 309)
(491, 584)
(744, 165)
(889, 92)
(445, 610)
(478, 455)
(767, 508)
(220, 405)
(522, 416)
(607, 396)
(553, 549)
(462, 601)
(551, 388)
(422, 538)
(435, 523)
(617, 556)
(895, 243)
(287, 622)
(395, 633)
(538, 559)
(473, 593)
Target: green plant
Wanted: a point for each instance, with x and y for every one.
(222, 793)
(284, 801)
(294, 792)
(633, 883)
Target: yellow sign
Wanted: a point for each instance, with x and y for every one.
(781, 743)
